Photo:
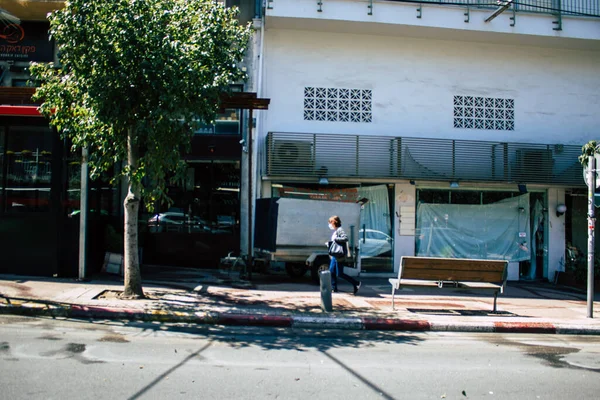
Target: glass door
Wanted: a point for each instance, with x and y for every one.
(375, 239)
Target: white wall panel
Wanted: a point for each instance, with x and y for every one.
(413, 82)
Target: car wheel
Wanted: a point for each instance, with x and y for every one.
(295, 270)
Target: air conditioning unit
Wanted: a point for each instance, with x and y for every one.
(291, 157)
(533, 165)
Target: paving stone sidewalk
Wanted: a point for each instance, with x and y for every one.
(221, 297)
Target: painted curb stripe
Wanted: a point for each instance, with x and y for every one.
(254, 320)
(87, 312)
(484, 327)
(524, 327)
(327, 323)
(108, 313)
(391, 324)
(577, 330)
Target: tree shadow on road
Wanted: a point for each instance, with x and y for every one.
(267, 338)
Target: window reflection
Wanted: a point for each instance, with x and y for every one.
(2, 158)
(226, 123)
(207, 202)
(28, 169)
(103, 199)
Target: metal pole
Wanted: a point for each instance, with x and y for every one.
(325, 280)
(250, 200)
(83, 213)
(591, 179)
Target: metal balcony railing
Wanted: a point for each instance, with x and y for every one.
(590, 8)
(379, 157)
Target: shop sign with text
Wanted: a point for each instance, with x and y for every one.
(27, 41)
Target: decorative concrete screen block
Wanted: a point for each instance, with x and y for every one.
(484, 113)
(337, 105)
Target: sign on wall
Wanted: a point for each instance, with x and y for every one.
(27, 41)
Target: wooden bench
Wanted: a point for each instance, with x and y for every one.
(451, 273)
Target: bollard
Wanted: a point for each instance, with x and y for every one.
(325, 279)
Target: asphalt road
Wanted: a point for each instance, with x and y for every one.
(57, 359)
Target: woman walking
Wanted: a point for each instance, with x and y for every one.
(337, 252)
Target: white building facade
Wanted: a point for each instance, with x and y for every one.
(427, 107)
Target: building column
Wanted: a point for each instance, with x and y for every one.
(556, 232)
(405, 213)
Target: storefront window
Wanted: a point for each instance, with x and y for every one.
(2, 158)
(103, 198)
(434, 196)
(28, 169)
(480, 224)
(207, 202)
(226, 123)
(493, 197)
(73, 197)
(374, 235)
(203, 222)
(216, 195)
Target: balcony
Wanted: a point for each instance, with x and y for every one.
(547, 23)
(584, 8)
(314, 156)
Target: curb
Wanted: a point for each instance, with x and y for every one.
(298, 321)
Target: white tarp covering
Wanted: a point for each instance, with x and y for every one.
(497, 231)
(376, 239)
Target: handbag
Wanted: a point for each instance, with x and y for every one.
(336, 249)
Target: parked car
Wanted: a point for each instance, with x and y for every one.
(374, 243)
(171, 221)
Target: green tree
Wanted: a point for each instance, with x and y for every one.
(587, 150)
(133, 79)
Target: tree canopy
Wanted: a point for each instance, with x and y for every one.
(154, 66)
(133, 78)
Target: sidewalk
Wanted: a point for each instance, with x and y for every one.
(220, 297)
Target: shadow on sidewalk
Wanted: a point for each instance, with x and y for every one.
(235, 301)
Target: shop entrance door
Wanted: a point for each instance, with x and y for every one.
(375, 239)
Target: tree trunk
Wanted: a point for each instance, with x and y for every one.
(133, 278)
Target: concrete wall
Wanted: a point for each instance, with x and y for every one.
(413, 82)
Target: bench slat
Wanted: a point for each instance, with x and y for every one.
(455, 273)
(451, 285)
(452, 269)
(458, 263)
(448, 274)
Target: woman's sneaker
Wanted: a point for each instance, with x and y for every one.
(357, 287)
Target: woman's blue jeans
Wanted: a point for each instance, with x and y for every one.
(337, 269)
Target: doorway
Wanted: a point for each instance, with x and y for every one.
(537, 267)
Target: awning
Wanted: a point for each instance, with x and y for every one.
(19, 111)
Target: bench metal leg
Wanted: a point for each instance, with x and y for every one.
(495, 297)
(393, 292)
